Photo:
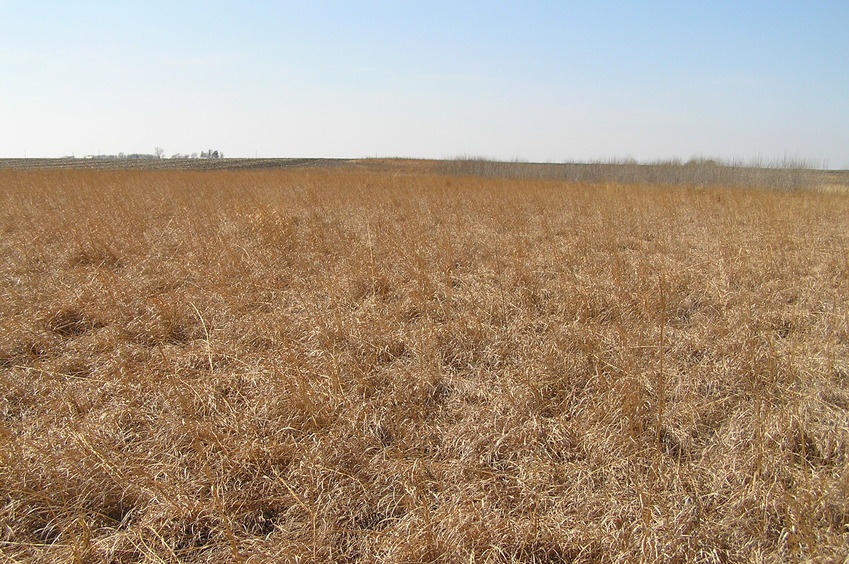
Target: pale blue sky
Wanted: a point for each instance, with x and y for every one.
(540, 81)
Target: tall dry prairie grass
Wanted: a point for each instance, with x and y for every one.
(316, 366)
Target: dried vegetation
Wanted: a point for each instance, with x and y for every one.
(357, 366)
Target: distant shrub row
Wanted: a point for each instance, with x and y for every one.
(787, 174)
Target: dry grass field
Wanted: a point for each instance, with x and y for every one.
(339, 365)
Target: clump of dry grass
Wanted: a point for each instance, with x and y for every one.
(353, 366)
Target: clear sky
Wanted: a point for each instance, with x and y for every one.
(538, 81)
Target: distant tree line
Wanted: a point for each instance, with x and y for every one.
(786, 173)
(159, 153)
(122, 156)
(208, 154)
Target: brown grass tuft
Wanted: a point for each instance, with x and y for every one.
(342, 365)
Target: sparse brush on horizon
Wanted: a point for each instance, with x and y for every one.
(784, 174)
(354, 366)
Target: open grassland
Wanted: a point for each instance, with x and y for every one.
(359, 366)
